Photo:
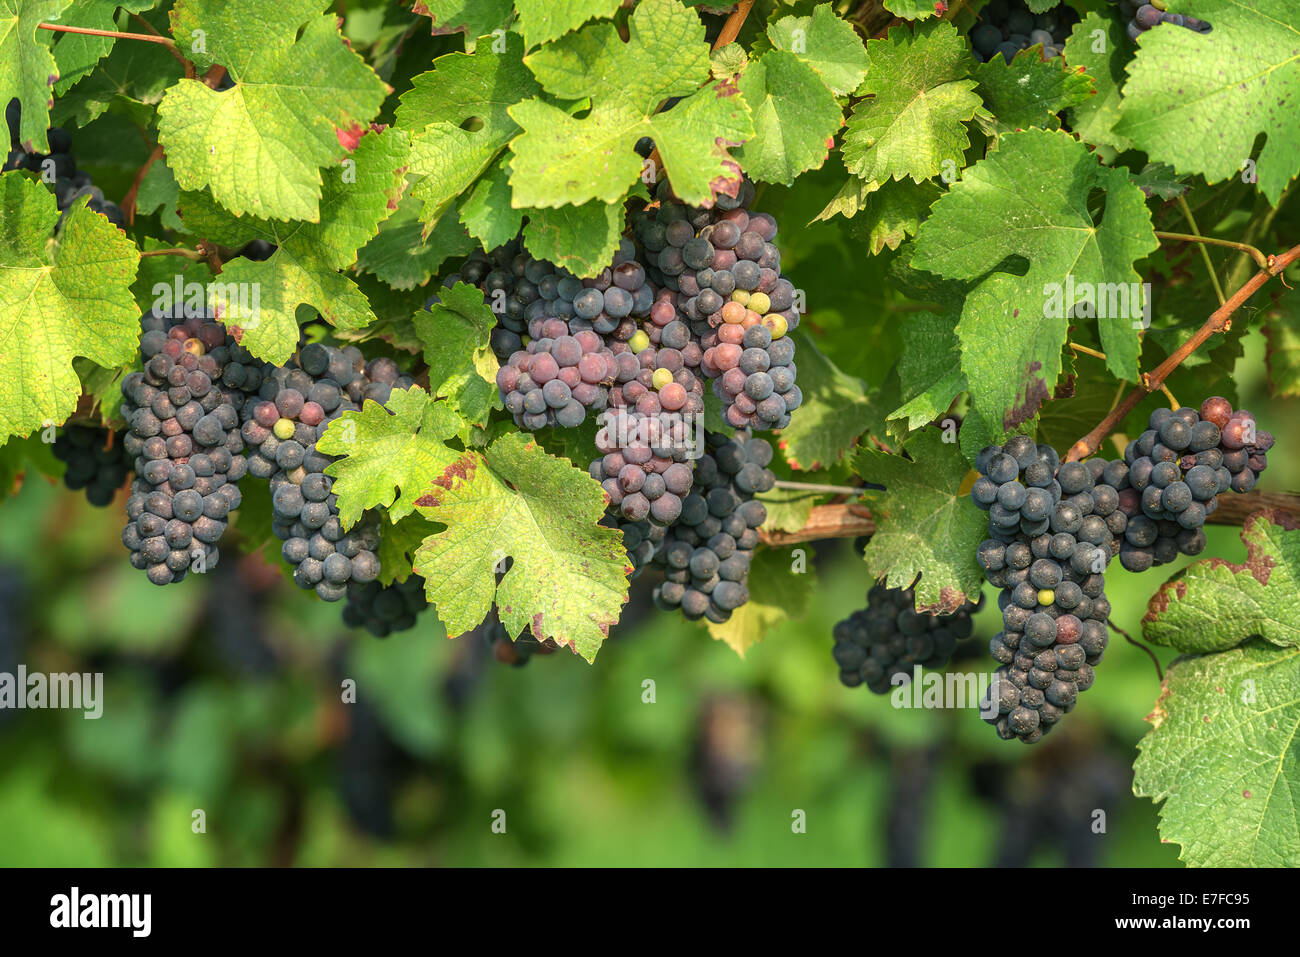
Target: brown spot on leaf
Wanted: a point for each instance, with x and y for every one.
(350, 137)
(1246, 794)
(1034, 391)
(1064, 389)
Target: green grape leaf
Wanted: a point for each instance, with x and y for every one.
(543, 20)
(58, 299)
(402, 256)
(795, 118)
(1221, 757)
(728, 61)
(918, 100)
(304, 269)
(1012, 329)
(486, 211)
(912, 9)
(27, 69)
(1095, 118)
(582, 239)
(826, 43)
(776, 594)
(1030, 91)
(474, 18)
(1283, 354)
(77, 53)
(462, 366)
(1199, 101)
(925, 525)
(1078, 403)
(1212, 605)
(929, 369)
(397, 543)
(461, 89)
(560, 159)
(1160, 180)
(893, 212)
(836, 410)
(260, 146)
(568, 580)
(159, 193)
(389, 453)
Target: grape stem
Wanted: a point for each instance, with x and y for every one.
(1255, 252)
(174, 52)
(1220, 321)
(815, 487)
(1160, 675)
(1086, 351)
(128, 201)
(187, 253)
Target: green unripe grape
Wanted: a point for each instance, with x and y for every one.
(759, 302)
(283, 429)
(741, 296)
(638, 341)
(776, 322)
(1046, 596)
(661, 378)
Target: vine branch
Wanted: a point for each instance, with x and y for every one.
(850, 519)
(1255, 252)
(731, 29)
(1220, 321)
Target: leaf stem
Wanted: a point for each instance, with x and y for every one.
(193, 254)
(174, 51)
(115, 34)
(1086, 351)
(1254, 253)
(1160, 675)
(1220, 321)
(1173, 402)
(853, 490)
(128, 201)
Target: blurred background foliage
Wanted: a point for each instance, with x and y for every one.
(223, 693)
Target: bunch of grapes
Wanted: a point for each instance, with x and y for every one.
(1176, 470)
(638, 470)
(642, 540)
(890, 637)
(1006, 27)
(559, 377)
(183, 410)
(725, 272)
(707, 554)
(58, 167)
(296, 404)
(1143, 16)
(97, 461)
(384, 609)
(1049, 545)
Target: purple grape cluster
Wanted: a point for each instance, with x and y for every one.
(890, 637)
(183, 411)
(385, 609)
(559, 377)
(707, 553)
(96, 461)
(295, 404)
(1144, 16)
(1005, 27)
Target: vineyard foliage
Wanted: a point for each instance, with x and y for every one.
(980, 246)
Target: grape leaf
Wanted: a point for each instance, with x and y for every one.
(924, 524)
(461, 89)
(474, 18)
(1011, 336)
(892, 212)
(77, 53)
(398, 543)
(795, 118)
(304, 268)
(402, 256)
(918, 100)
(1283, 334)
(58, 300)
(568, 581)
(1030, 91)
(1094, 119)
(1212, 605)
(486, 211)
(390, 453)
(543, 20)
(582, 239)
(159, 193)
(1160, 180)
(929, 369)
(260, 146)
(1198, 101)
(27, 68)
(462, 366)
(826, 43)
(915, 9)
(1221, 756)
(835, 411)
(776, 594)
(560, 159)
